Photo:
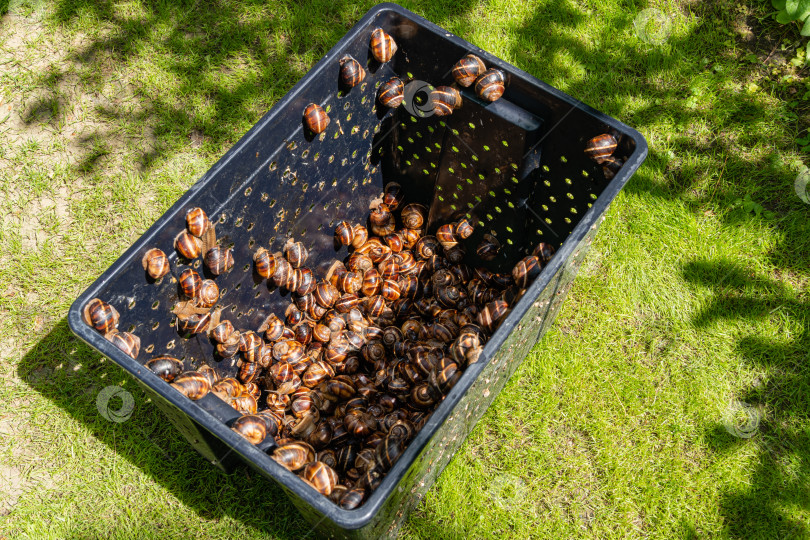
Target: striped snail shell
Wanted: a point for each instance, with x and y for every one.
(328, 457)
(492, 313)
(303, 333)
(294, 455)
(284, 272)
(365, 459)
(359, 262)
(444, 100)
(316, 374)
(219, 260)
(409, 237)
(468, 69)
(359, 423)
(392, 93)
(127, 342)
(321, 436)
(601, 147)
(187, 245)
(277, 402)
(228, 387)
(446, 236)
(288, 350)
(443, 277)
(296, 253)
(352, 498)
(491, 84)
(197, 222)
(463, 228)
(371, 282)
(339, 387)
(455, 254)
(293, 315)
(526, 270)
(326, 294)
(393, 195)
(265, 263)
(101, 315)
(488, 248)
(193, 385)
(370, 480)
(390, 268)
(611, 166)
(544, 252)
(375, 306)
(389, 452)
(208, 294)
(414, 215)
(383, 47)
(423, 396)
(230, 346)
(381, 220)
(346, 456)
(409, 287)
(315, 118)
(351, 72)
(193, 324)
(306, 282)
(155, 263)
(402, 429)
(165, 367)
(321, 333)
(190, 282)
(272, 327)
(251, 427)
(344, 233)
(249, 342)
(445, 375)
(245, 403)
(390, 290)
(426, 247)
(350, 282)
(360, 235)
(394, 242)
(210, 373)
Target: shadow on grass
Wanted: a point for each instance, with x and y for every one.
(781, 478)
(150, 442)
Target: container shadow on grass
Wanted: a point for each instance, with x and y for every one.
(782, 472)
(70, 374)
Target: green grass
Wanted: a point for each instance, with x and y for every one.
(692, 297)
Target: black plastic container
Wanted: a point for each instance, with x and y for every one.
(516, 166)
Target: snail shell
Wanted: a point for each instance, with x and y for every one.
(265, 263)
(197, 222)
(344, 233)
(284, 272)
(328, 457)
(193, 385)
(208, 294)
(350, 282)
(294, 455)
(488, 248)
(296, 253)
(463, 228)
(351, 72)
(360, 236)
(491, 84)
(394, 242)
(526, 270)
(445, 375)
(390, 268)
(352, 498)
(392, 93)
(272, 327)
(251, 427)
(315, 118)
(413, 215)
(492, 313)
(444, 99)
(155, 263)
(423, 396)
(409, 237)
(219, 260)
(210, 373)
(188, 245)
(245, 403)
(371, 282)
(426, 247)
(316, 374)
(165, 367)
(383, 47)
(127, 342)
(468, 69)
(390, 290)
(101, 315)
(228, 387)
(611, 166)
(321, 476)
(321, 437)
(389, 451)
(306, 282)
(601, 147)
(381, 220)
(190, 282)
(326, 294)
(544, 252)
(193, 324)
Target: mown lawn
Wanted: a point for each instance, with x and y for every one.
(689, 322)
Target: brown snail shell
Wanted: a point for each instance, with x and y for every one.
(352, 498)
(265, 263)
(210, 373)
(129, 343)
(492, 313)
(229, 387)
(394, 242)
(245, 403)
(188, 245)
(350, 282)
(491, 84)
(219, 260)
(371, 282)
(315, 118)
(526, 270)
(165, 367)
(193, 324)
(326, 294)
(463, 228)
(344, 233)
(383, 47)
(190, 282)
(155, 263)
(444, 100)
(306, 282)
(101, 315)
(272, 327)
(468, 69)
(208, 294)
(544, 252)
(251, 427)
(390, 290)
(413, 215)
(360, 236)
(601, 147)
(294, 455)
(409, 237)
(197, 222)
(392, 93)
(611, 166)
(381, 221)
(321, 476)
(193, 385)
(389, 451)
(488, 248)
(351, 72)
(445, 375)
(296, 253)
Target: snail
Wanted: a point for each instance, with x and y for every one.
(155, 263)
(544, 252)
(383, 47)
(601, 147)
(315, 118)
(392, 93)
(351, 72)
(294, 455)
(127, 342)
(296, 253)
(197, 222)
(251, 427)
(381, 221)
(265, 263)
(272, 327)
(413, 216)
(190, 282)
(193, 385)
(444, 100)
(526, 270)
(344, 233)
(611, 166)
(321, 476)
(463, 228)
(352, 498)
(488, 248)
(468, 69)
(221, 332)
(187, 245)
(101, 315)
(219, 260)
(193, 324)
(165, 367)
(490, 85)
(208, 294)
(492, 313)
